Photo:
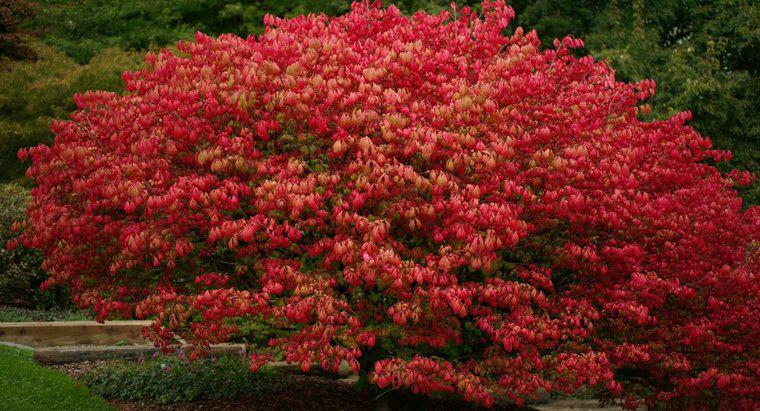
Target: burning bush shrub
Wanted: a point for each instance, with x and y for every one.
(444, 207)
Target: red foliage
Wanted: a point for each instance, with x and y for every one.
(446, 207)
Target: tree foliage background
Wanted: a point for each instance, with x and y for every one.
(702, 53)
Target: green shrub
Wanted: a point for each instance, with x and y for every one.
(84, 28)
(33, 93)
(171, 379)
(12, 38)
(19, 269)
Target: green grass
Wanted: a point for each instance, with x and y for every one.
(25, 385)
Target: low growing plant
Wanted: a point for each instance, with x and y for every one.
(173, 379)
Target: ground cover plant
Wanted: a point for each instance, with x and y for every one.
(173, 379)
(227, 383)
(443, 206)
(25, 385)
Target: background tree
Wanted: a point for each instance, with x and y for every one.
(34, 92)
(12, 38)
(150, 24)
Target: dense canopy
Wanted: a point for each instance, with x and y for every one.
(443, 206)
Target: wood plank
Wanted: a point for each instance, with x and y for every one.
(63, 333)
(57, 355)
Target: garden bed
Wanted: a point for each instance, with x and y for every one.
(170, 383)
(225, 383)
(132, 375)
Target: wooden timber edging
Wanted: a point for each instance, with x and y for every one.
(66, 333)
(58, 355)
(17, 346)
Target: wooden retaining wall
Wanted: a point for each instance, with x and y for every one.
(57, 355)
(75, 341)
(51, 334)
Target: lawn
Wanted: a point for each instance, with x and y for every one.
(24, 385)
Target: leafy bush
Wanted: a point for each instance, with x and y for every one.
(172, 379)
(12, 39)
(32, 93)
(19, 269)
(20, 274)
(444, 207)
